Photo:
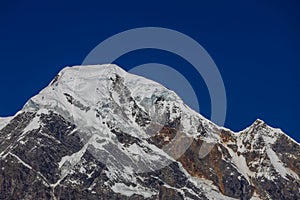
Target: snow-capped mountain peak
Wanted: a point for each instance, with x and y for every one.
(98, 132)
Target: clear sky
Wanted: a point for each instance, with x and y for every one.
(255, 44)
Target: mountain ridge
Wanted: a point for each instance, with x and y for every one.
(103, 133)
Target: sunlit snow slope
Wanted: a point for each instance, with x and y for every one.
(98, 132)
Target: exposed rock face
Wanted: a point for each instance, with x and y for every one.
(113, 135)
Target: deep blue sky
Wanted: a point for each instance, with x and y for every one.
(255, 44)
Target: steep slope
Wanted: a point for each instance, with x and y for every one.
(97, 132)
(4, 121)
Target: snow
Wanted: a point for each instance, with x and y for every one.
(20, 160)
(50, 137)
(255, 196)
(134, 149)
(241, 165)
(210, 190)
(130, 190)
(92, 104)
(74, 158)
(276, 162)
(4, 121)
(82, 169)
(90, 87)
(241, 147)
(259, 133)
(167, 139)
(278, 130)
(23, 142)
(278, 165)
(34, 124)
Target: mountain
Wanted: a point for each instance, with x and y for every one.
(98, 132)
